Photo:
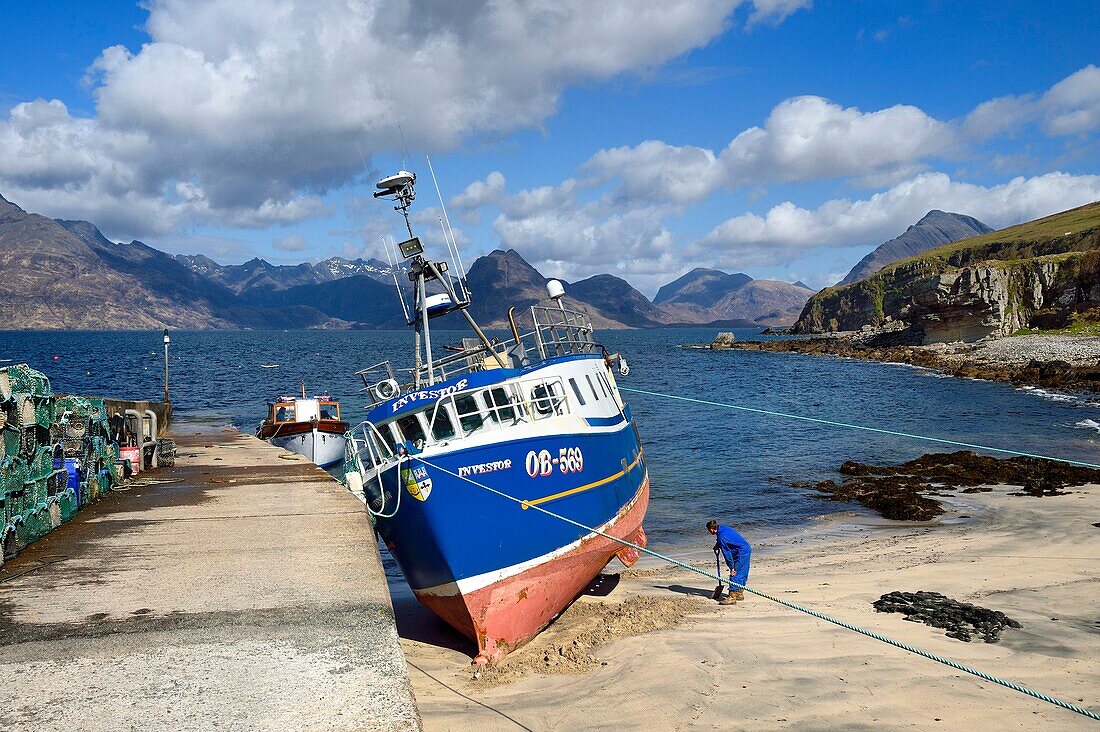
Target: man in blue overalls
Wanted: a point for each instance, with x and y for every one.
(737, 553)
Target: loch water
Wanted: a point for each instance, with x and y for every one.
(704, 461)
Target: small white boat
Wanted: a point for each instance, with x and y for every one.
(309, 427)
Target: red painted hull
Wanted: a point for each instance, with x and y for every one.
(504, 615)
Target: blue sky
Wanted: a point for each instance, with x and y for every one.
(782, 138)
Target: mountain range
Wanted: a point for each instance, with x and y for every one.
(67, 274)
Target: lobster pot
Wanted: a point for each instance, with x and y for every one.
(12, 476)
(11, 488)
(57, 482)
(28, 443)
(68, 503)
(36, 493)
(22, 379)
(54, 511)
(93, 489)
(41, 465)
(38, 523)
(23, 411)
(44, 413)
(73, 447)
(97, 411)
(166, 452)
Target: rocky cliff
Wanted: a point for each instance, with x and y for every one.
(1034, 274)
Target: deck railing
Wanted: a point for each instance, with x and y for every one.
(553, 332)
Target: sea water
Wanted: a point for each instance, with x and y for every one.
(704, 461)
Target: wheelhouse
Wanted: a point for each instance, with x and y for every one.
(288, 409)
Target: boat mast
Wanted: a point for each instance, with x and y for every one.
(421, 271)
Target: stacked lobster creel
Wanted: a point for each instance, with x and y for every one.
(29, 480)
(80, 427)
(39, 432)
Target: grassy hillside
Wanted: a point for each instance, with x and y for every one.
(1042, 274)
(1075, 230)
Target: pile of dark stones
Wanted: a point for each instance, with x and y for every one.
(961, 620)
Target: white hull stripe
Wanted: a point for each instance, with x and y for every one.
(477, 582)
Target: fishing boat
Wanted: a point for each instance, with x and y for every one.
(310, 427)
(469, 461)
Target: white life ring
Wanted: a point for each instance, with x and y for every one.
(387, 389)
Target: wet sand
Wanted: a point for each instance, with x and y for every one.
(662, 655)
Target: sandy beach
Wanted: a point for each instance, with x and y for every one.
(657, 653)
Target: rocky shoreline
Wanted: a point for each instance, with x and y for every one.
(907, 492)
(1049, 361)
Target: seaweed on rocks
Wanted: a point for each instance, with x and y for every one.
(904, 492)
(961, 620)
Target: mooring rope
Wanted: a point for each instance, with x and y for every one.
(849, 425)
(786, 603)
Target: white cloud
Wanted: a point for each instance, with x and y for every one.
(1070, 107)
(811, 138)
(261, 107)
(804, 138)
(656, 171)
(787, 231)
(481, 192)
(565, 236)
(774, 12)
(808, 138)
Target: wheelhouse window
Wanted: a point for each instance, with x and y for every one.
(391, 435)
(500, 406)
(469, 413)
(283, 412)
(329, 411)
(577, 391)
(442, 428)
(411, 429)
(384, 441)
(546, 399)
(592, 387)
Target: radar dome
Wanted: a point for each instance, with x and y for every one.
(555, 289)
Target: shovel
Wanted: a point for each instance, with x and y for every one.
(718, 570)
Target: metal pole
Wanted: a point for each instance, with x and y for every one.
(166, 340)
(469, 318)
(423, 290)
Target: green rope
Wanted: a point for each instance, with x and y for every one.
(862, 427)
(794, 606)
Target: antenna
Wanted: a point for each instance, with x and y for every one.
(451, 242)
(400, 186)
(408, 156)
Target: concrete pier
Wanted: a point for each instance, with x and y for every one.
(239, 590)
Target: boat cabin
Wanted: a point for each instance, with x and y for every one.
(288, 409)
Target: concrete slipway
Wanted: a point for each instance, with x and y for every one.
(239, 590)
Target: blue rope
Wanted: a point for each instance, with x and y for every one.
(794, 606)
(881, 431)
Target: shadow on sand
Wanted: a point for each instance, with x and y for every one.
(695, 591)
